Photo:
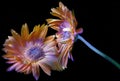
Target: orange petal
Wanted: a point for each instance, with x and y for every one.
(49, 39)
(56, 14)
(43, 31)
(54, 23)
(8, 56)
(24, 31)
(52, 20)
(11, 50)
(35, 33)
(17, 37)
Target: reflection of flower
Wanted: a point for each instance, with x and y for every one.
(66, 27)
(28, 52)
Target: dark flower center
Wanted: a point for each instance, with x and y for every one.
(35, 53)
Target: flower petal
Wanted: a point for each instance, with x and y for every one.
(25, 68)
(64, 53)
(35, 33)
(13, 66)
(9, 56)
(24, 31)
(57, 13)
(52, 61)
(43, 32)
(51, 51)
(35, 71)
(49, 39)
(19, 67)
(28, 70)
(45, 68)
(49, 45)
(17, 37)
(11, 61)
(79, 30)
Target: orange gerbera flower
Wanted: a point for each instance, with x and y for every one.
(28, 52)
(66, 27)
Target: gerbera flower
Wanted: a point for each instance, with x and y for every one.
(30, 52)
(66, 27)
(67, 33)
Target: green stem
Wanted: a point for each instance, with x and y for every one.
(99, 52)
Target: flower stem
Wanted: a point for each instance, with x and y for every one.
(99, 52)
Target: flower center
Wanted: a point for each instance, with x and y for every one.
(35, 53)
(65, 30)
(66, 35)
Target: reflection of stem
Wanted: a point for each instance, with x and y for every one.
(99, 52)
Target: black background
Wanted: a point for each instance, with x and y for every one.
(100, 21)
